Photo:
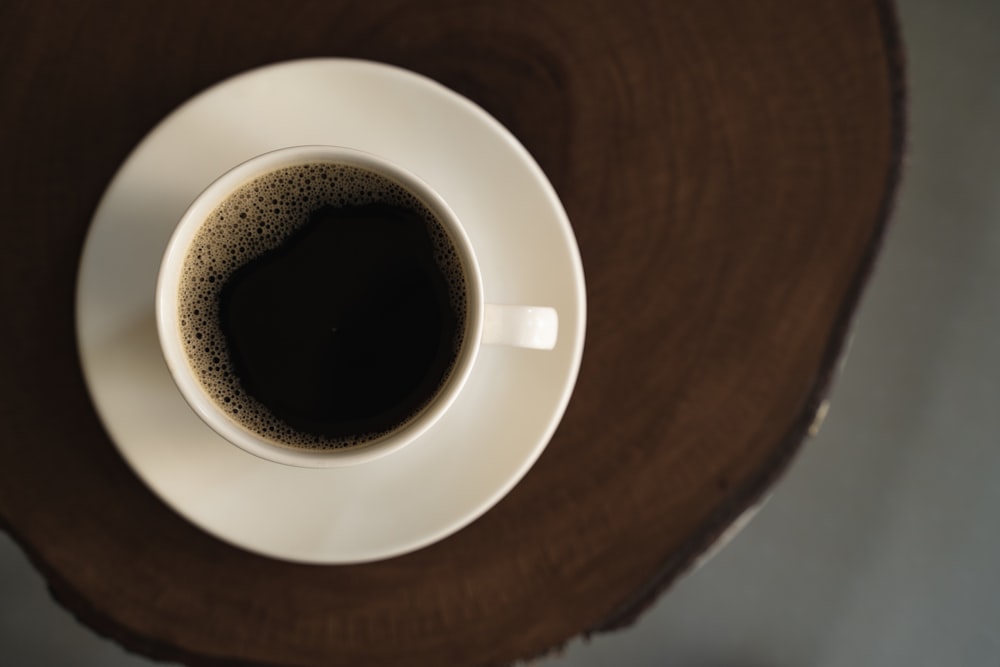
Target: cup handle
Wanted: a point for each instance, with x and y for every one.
(532, 327)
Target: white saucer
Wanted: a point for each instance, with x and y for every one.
(512, 402)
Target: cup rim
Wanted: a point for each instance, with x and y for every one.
(167, 319)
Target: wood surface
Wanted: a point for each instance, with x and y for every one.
(728, 168)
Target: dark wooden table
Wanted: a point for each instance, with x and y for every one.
(728, 168)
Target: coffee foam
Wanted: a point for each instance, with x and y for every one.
(255, 218)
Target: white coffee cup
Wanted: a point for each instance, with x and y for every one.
(520, 326)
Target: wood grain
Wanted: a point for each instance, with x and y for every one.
(728, 168)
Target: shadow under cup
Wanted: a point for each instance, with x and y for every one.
(319, 306)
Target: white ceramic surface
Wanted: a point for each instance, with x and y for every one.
(512, 401)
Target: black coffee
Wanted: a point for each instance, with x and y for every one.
(322, 306)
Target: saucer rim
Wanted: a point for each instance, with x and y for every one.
(559, 218)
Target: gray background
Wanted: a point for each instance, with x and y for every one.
(881, 546)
